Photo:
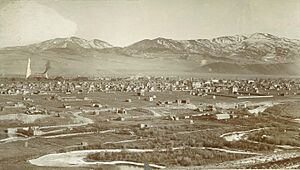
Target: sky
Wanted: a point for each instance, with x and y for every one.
(123, 22)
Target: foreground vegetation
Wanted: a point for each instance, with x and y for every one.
(182, 157)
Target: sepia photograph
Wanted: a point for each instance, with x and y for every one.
(149, 84)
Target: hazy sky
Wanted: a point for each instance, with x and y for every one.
(123, 22)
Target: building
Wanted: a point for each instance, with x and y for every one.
(233, 89)
(97, 105)
(35, 131)
(120, 119)
(30, 131)
(83, 143)
(141, 93)
(122, 111)
(66, 106)
(222, 116)
(144, 126)
(186, 101)
(128, 100)
(149, 99)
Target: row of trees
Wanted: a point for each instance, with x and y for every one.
(183, 157)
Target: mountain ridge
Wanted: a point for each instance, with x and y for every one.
(64, 43)
(257, 45)
(265, 53)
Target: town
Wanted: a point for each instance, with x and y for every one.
(126, 121)
(149, 84)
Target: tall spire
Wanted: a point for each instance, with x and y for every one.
(28, 71)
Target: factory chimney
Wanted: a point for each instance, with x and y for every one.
(48, 66)
(28, 71)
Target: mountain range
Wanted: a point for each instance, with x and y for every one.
(254, 54)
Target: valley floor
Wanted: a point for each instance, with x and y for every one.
(78, 139)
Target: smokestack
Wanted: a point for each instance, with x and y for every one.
(28, 71)
(45, 73)
(47, 65)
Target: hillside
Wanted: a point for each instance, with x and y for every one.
(255, 48)
(255, 54)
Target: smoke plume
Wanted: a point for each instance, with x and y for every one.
(48, 66)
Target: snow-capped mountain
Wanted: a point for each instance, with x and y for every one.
(257, 53)
(70, 42)
(254, 48)
(258, 46)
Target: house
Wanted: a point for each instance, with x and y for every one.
(33, 110)
(186, 101)
(30, 131)
(66, 106)
(159, 103)
(96, 112)
(83, 143)
(233, 89)
(168, 102)
(200, 109)
(173, 117)
(232, 115)
(144, 126)
(241, 105)
(86, 98)
(128, 100)
(250, 81)
(141, 93)
(27, 99)
(35, 131)
(211, 108)
(178, 101)
(120, 119)
(186, 117)
(196, 85)
(122, 111)
(149, 99)
(19, 105)
(217, 89)
(222, 116)
(97, 105)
